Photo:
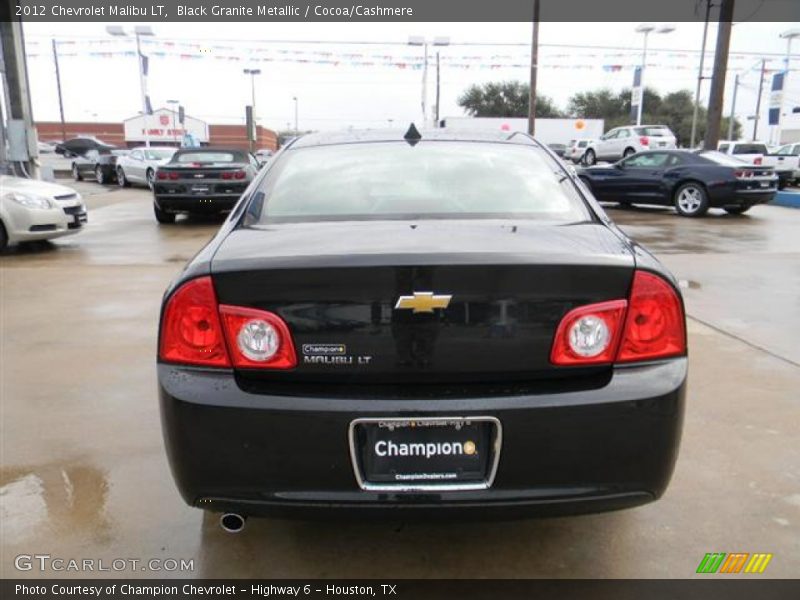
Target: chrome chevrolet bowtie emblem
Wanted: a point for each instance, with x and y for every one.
(422, 302)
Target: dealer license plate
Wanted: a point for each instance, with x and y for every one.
(425, 453)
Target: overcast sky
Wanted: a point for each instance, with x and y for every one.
(335, 97)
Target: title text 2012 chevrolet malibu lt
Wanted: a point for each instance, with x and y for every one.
(430, 325)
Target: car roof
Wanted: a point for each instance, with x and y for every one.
(397, 135)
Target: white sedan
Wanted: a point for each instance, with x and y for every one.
(33, 210)
(140, 165)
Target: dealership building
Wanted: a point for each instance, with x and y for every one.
(162, 128)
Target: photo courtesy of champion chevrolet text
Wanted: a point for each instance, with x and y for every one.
(411, 299)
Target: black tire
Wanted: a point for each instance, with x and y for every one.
(76, 174)
(100, 175)
(628, 152)
(150, 177)
(589, 158)
(121, 179)
(3, 237)
(691, 199)
(163, 217)
(737, 210)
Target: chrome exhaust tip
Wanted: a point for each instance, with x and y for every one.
(232, 522)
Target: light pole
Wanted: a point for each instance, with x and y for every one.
(253, 73)
(58, 86)
(700, 76)
(646, 29)
(296, 130)
(138, 31)
(788, 35)
(174, 103)
(418, 40)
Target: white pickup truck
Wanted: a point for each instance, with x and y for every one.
(786, 162)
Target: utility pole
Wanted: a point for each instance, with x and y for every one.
(718, 76)
(438, 90)
(60, 99)
(732, 118)
(758, 99)
(700, 76)
(534, 70)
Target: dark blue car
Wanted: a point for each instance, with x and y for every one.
(692, 182)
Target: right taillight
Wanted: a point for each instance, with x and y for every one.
(648, 325)
(654, 324)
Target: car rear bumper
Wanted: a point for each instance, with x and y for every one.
(562, 453)
(196, 204)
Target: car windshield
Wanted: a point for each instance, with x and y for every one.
(750, 149)
(158, 153)
(395, 180)
(722, 159)
(653, 131)
(206, 157)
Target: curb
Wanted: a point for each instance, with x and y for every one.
(784, 198)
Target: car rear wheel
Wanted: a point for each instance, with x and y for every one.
(589, 158)
(691, 200)
(151, 178)
(163, 216)
(121, 179)
(628, 152)
(99, 175)
(737, 210)
(76, 173)
(3, 237)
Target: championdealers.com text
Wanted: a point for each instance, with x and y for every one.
(217, 10)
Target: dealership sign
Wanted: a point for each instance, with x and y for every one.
(164, 126)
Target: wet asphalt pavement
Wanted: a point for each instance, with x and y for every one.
(84, 474)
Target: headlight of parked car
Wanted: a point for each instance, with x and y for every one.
(30, 200)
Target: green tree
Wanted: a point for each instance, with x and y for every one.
(504, 99)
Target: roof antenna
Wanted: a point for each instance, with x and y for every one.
(412, 136)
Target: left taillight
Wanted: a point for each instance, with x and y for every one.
(196, 330)
(644, 140)
(191, 331)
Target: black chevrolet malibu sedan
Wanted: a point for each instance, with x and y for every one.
(420, 324)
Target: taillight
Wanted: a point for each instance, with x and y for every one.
(239, 175)
(644, 140)
(227, 175)
(197, 331)
(654, 325)
(646, 326)
(257, 338)
(161, 175)
(191, 332)
(589, 334)
(174, 175)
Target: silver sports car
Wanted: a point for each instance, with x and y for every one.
(140, 165)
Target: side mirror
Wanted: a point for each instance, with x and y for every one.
(619, 165)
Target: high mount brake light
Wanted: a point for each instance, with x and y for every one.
(648, 325)
(195, 330)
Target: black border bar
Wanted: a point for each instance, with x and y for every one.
(394, 10)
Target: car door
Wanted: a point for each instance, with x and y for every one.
(135, 166)
(642, 177)
(87, 161)
(621, 142)
(605, 144)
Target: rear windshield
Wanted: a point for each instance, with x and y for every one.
(209, 157)
(750, 149)
(394, 180)
(723, 159)
(158, 153)
(653, 131)
(582, 144)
